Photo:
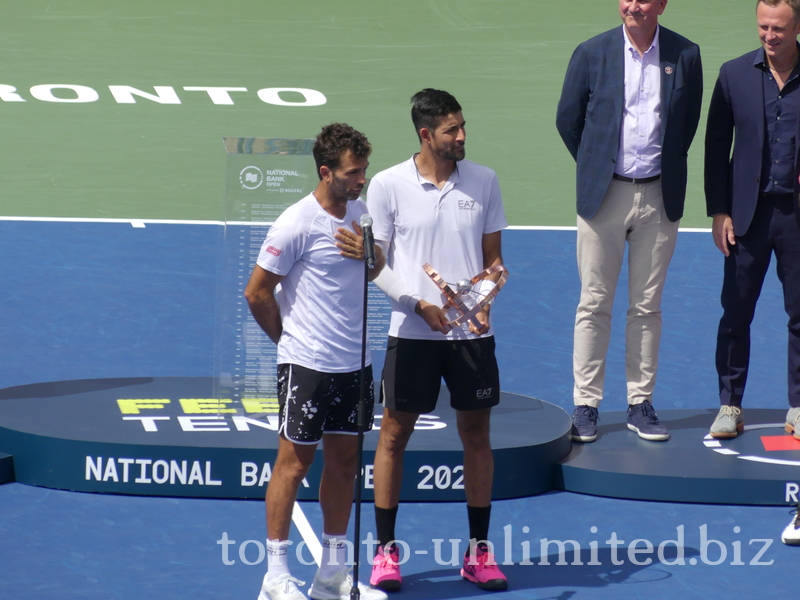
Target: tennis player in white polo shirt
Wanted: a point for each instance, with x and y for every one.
(440, 209)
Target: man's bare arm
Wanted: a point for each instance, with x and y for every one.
(260, 295)
(492, 256)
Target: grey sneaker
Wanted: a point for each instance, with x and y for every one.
(793, 422)
(791, 535)
(338, 588)
(729, 423)
(282, 588)
(584, 424)
(642, 419)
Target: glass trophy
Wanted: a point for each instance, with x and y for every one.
(264, 177)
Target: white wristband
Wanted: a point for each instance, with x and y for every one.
(395, 286)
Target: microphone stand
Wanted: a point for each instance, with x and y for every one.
(355, 593)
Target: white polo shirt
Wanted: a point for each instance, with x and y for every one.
(321, 297)
(445, 228)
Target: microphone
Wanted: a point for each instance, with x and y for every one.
(369, 240)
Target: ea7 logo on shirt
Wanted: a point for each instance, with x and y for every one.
(483, 394)
(466, 204)
(273, 250)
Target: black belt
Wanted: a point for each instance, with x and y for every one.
(637, 179)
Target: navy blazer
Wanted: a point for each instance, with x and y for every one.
(589, 116)
(736, 116)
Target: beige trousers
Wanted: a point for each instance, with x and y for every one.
(633, 213)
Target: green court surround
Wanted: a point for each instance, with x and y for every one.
(503, 59)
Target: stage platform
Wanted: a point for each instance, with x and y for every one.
(6, 468)
(761, 466)
(168, 437)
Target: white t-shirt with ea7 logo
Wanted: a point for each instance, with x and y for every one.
(444, 228)
(321, 297)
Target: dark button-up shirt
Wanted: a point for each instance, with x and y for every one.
(781, 107)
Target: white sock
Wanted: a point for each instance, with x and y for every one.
(277, 559)
(334, 554)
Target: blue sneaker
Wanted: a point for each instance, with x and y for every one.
(642, 419)
(584, 424)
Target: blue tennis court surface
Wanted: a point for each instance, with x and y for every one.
(95, 300)
(117, 110)
(67, 545)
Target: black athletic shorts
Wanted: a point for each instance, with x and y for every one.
(414, 369)
(313, 403)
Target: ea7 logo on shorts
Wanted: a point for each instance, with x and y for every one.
(483, 394)
(273, 250)
(466, 204)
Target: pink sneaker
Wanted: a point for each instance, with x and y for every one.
(482, 570)
(386, 570)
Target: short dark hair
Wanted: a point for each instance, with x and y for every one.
(334, 140)
(793, 4)
(429, 107)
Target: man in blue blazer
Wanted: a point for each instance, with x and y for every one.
(753, 198)
(628, 112)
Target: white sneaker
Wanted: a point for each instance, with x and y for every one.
(282, 588)
(338, 588)
(791, 535)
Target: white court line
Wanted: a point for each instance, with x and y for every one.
(574, 228)
(543, 227)
(309, 537)
(132, 222)
(144, 222)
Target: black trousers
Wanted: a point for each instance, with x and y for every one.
(774, 229)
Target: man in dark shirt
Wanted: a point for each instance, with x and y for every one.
(753, 199)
